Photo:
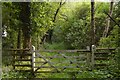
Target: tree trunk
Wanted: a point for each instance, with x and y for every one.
(50, 31)
(19, 39)
(105, 33)
(25, 19)
(49, 36)
(92, 23)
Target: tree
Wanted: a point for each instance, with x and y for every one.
(19, 33)
(105, 33)
(100, 20)
(92, 23)
(25, 23)
(117, 18)
(49, 34)
(42, 20)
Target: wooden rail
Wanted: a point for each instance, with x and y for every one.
(58, 72)
(17, 49)
(63, 51)
(22, 59)
(101, 58)
(100, 64)
(105, 48)
(23, 65)
(19, 54)
(52, 57)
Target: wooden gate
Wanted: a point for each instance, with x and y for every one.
(61, 61)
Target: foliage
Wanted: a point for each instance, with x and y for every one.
(94, 74)
(74, 31)
(74, 27)
(100, 20)
(14, 74)
(111, 40)
(81, 75)
(10, 19)
(76, 34)
(41, 20)
(71, 31)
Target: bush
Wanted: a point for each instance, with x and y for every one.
(111, 40)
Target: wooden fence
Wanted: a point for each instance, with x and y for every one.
(60, 61)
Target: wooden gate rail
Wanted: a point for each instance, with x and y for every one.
(61, 51)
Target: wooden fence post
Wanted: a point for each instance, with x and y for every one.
(33, 58)
(88, 57)
(92, 56)
(13, 55)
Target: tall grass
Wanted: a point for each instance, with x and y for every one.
(55, 46)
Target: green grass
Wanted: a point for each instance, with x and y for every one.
(55, 46)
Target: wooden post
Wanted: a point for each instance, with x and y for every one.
(88, 57)
(118, 49)
(33, 58)
(13, 54)
(92, 56)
